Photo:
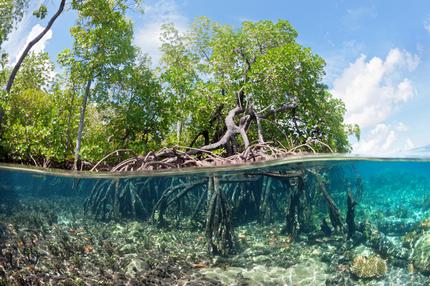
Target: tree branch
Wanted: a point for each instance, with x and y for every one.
(282, 108)
(31, 44)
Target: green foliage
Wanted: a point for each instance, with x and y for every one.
(130, 120)
(132, 106)
(37, 72)
(354, 129)
(41, 12)
(36, 129)
(11, 12)
(103, 39)
(102, 54)
(140, 114)
(28, 126)
(4, 70)
(96, 140)
(207, 66)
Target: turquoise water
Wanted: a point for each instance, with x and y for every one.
(304, 221)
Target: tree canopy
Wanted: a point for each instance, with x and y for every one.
(217, 87)
(277, 82)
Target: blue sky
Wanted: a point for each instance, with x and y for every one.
(377, 53)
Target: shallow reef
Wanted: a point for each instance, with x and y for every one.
(329, 225)
(56, 246)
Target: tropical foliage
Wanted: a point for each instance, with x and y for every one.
(103, 93)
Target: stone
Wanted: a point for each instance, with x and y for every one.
(421, 253)
(135, 266)
(369, 266)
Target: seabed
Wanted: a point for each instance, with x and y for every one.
(354, 221)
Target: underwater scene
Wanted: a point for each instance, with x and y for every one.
(308, 221)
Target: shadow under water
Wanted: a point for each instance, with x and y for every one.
(348, 221)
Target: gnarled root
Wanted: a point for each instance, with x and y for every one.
(295, 207)
(219, 226)
(115, 199)
(172, 195)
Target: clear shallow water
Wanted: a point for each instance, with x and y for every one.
(278, 223)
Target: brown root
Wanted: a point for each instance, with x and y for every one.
(181, 157)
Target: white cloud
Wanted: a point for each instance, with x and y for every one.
(402, 127)
(16, 42)
(336, 63)
(409, 144)
(427, 25)
(156, 14)
(384, 139)
(373, 89)
(40, 46)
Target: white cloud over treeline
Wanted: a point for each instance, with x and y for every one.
(373, 89)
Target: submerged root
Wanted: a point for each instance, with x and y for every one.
(350, 214)
(170, 196)
(113, 200)
(219, 226)
(295, 208)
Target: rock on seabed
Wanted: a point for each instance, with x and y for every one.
(421, 254)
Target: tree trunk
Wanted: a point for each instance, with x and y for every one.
(69, 120)
(31, 44)
(232, 129)
(259, 129)
(178, 132)
(81, 125)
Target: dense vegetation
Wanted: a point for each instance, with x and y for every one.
(217, 87)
